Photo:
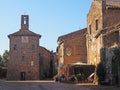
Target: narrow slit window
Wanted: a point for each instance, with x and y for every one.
(33, 47)
(96, 24)
(15, 47)
(25, 20)
(90, 29)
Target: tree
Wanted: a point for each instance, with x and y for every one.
(0, 58)
(0, 61)
(5, 58)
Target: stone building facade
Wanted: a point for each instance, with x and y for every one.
(43, 58)
(102, 16)
(72, 48)
(25, 62)
(102, 36)
(48, 63)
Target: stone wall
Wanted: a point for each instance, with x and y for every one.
(94, 44)
(112, 17)
(44, 62)
(72, 47)
(48, 63)
(23, 58)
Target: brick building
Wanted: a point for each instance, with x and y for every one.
(27, 59)
(72, 49)
(103, 22)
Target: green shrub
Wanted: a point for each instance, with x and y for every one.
(80, 77)
(73, 78)
(56, 77)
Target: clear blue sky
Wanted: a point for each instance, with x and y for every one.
(50, 18)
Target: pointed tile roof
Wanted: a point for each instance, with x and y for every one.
(81, 33)
(24, 33)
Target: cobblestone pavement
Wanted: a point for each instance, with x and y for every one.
(38, 85)
(99, 87)
(49, 85)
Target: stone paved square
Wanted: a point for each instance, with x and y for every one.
(50, 85)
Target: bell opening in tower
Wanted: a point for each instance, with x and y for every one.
(25, 20)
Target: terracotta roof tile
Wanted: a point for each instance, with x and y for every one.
(73, 34)
(25, 33)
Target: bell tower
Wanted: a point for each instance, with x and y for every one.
(24, 22)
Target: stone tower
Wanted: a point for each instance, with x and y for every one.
(23, 61)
